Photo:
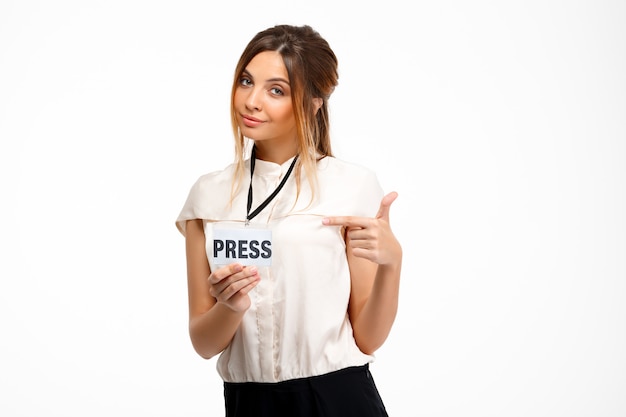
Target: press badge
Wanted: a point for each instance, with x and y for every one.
(245, 245)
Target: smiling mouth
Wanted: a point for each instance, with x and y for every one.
(251, 121)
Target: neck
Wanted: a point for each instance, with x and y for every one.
(276, 154)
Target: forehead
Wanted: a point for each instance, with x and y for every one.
(267, 65)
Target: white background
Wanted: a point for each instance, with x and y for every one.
(501, 125)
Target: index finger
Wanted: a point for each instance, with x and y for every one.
(225, 272)
(347, 221)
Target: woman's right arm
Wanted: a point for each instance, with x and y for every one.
(218, 300)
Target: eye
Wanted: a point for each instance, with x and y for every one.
(276, 91)
(245, 81)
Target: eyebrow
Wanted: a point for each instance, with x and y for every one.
(279, 79)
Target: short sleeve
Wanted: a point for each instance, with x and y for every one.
(209, 199)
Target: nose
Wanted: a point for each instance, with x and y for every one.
(253, 100)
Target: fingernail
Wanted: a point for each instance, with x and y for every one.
(325, 220)
(252, 269)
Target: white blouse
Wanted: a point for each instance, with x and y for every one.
(298, 324)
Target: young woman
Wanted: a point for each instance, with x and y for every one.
(293, 270)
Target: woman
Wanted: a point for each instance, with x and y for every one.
(293, 270)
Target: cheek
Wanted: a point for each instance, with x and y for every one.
(238, 98)
(284, 114)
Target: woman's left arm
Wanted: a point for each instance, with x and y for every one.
(375, 260)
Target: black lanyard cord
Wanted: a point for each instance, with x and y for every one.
(264, 204)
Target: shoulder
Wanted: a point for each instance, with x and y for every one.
(213, 189)
(338, 168)
(215, 178)
(350, 187)
(209, 198)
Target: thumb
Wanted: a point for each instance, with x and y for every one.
(385, 204)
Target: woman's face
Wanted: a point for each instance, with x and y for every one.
(263, 101)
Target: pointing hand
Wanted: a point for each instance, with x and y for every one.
(371, 238)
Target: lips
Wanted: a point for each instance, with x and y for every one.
(250, 121)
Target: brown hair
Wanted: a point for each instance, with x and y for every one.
(312, 68)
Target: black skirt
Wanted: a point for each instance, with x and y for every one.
(345, 393)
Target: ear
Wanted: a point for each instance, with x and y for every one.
(317, 103)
